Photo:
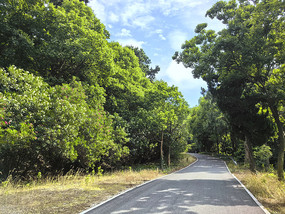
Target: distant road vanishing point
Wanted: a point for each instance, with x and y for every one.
(205, 187)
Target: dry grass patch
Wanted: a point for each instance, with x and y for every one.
(73, 192)
(68, 194)
(264, 186)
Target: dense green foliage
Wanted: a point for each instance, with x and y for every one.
(209, 127)
(145, 62)
(48, 128)
(243, 66)
(70, 99)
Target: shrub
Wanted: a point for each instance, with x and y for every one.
(48, 129)
(262, 155)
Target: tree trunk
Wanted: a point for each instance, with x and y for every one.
(217, 145)
(249, 154)
(168, 159)
(281, 139)
(170, 142)
(161, 151)
(217, 140)
(233, 141)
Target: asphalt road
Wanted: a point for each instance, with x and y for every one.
(204, 187)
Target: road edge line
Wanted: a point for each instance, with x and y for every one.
(250, 194)
(127, 190)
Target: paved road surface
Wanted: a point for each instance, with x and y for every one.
(204, 187)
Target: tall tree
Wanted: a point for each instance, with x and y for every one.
(207, 125)
(127, 85)
(56, 43)
(248, 53)
(169, 110)
(145, 62)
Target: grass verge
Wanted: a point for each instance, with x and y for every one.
(75, 192)
(265, 186)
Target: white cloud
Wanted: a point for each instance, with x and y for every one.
(133, 11)
(110, 2)
(99, 9)
(197, 16)
(159, 31)
(176, 39)
(162, 37)
(192, 3)
(113, 17)
(160, 34)
(124, 33)
(132, 42)
(142, 13)
(172, 7)
(143, 21)
(182, 77)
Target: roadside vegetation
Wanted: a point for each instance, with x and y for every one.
(265, 186)
(75, 192)
(73, 101)
(242, 112)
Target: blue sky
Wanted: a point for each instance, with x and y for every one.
(159, 27)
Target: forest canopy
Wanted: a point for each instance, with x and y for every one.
(71, 99)
(243, 65)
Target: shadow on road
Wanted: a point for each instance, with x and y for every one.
(204, 187)
(181, 197)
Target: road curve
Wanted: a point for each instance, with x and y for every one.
(204, 187)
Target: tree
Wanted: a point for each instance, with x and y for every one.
(59, 2)
(48, 129)
(260, 48)
(207, 125)
(169, 110)
(252, 127)
(157, 124)
(127, 85)
(55, 42)
(246, 53)
(145, 62)
(69, 98)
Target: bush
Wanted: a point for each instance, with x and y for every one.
(262, 155)
(48, 129)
